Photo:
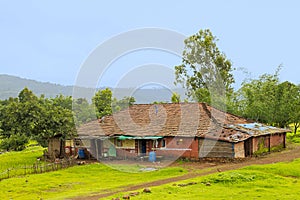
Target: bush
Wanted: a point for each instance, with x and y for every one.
(15, 142)
(294, 138)
(231, 177)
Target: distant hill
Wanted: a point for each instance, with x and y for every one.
(10, 86)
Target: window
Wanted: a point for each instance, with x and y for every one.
(128, 144)
(163, 143)
(119, 143)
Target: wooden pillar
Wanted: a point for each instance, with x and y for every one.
(269, 145)
(284, 140)
(96, 145)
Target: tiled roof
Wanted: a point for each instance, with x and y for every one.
(184, 119)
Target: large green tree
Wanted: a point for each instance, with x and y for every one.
(125, 102)
(57, 119)
(83, 111)
(105, 104)
(102, 101)
(268, 100)
(294, 111)
(205, 71)
(29, 117)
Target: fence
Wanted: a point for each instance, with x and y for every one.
(37, 168)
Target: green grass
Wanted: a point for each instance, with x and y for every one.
(18, 159)
(273, 181)
(77, 181)
(293, 138)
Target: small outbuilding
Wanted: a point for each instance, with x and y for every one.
(56, 147)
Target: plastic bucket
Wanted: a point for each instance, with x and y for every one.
(81, 154)
(152, 156)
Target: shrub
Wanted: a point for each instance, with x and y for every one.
(230, 177)
(15, 142)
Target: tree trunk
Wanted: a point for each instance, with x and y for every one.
(296, 126)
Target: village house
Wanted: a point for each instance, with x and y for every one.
(185, 130)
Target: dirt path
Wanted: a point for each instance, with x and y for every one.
(284, 156)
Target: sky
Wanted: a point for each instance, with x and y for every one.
(50, 40)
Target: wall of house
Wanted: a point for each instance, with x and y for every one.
(239, 150)
(277, 139)
(177, 147)
(95, 151)
(214, 149)
(260, 143)
(125, 148)
(267, 142)
(54, 148)
(126, 153)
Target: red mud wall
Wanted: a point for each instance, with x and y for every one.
(277, 139)
(179, 147)
(268, 141)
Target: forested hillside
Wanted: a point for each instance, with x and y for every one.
(12, 85)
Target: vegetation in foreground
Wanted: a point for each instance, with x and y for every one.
(74, 181)
(17, 159)
(78, 181)
(272, 181)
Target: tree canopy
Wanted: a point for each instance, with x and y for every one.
(268, 100)
(105, 104)
(31, 117)
(205, 71)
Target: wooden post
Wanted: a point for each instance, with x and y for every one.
(284, 140)
(269, 145)
(97, 153)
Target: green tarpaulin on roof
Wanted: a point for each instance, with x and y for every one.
(123, 137)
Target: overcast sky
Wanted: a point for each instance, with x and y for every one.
(49, 40)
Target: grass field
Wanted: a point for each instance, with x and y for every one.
(16, 159)
(78, 180)
(273, 181)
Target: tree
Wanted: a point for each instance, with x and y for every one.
(205, 71)
(295, 109)
(29, 117)
(83, 111)
(102, 101)
(19, 117)
(125, 102)
(175, 98)
(57, 119)
(285, 108)
(106, 105)
(268, 101)
(258, 97)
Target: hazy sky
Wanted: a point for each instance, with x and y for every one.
(49, 40)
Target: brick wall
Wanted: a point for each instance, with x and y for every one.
(179, 147)
(277, 139)
(268, 141)
(260, 142)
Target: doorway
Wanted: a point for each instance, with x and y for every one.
(248, 147)
(143, 147)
